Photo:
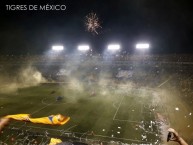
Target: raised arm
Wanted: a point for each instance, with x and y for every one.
(3, 122)
(176, 137)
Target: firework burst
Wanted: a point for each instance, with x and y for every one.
(92, 23)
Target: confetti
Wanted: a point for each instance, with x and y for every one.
(177, 109)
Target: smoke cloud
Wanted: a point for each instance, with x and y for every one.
(24, 77)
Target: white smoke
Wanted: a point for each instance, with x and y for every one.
(30, 76)
(26, 77)
(75, 84)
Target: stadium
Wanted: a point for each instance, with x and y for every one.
(129, 99)
(97, 72)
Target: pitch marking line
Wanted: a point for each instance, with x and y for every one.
(118, 108)
(64, 131)
(114, 118)
(70, 127)
(123, 139)
(126, 120)
(42, 108)
(95, 135)
(39, 110)
(164, 82)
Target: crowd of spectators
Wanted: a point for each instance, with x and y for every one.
(116, 57)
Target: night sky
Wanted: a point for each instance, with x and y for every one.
(166, 24)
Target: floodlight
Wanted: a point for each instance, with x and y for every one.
(142, 46)
(83, 47)
(113, 47)
(57, 47)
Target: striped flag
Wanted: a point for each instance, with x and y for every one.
(52, 119)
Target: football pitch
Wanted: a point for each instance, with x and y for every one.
(122, 115)
(110, 113)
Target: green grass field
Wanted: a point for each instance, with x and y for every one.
(108, 115)
(109, 112)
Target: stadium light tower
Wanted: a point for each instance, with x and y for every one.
(113, 47)
(57, 47)
(83, 48)
(142, 46)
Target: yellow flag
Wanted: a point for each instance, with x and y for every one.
(52, 120)
(54, 141)
(20, 117)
